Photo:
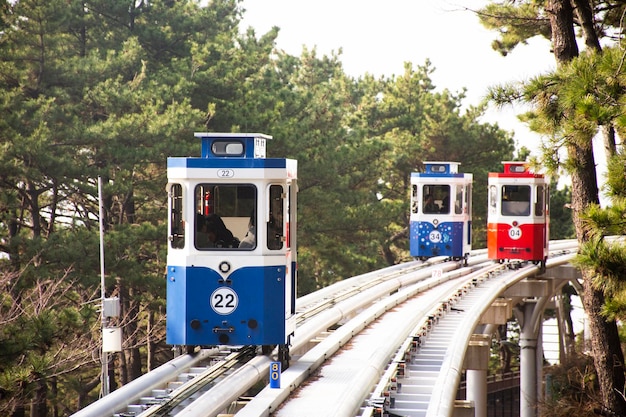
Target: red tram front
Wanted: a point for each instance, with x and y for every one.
(518, 215)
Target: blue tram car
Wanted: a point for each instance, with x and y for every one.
(441, 212)
(231, 260)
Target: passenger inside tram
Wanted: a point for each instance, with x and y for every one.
(249, 241)
(202, 233)
(445, 205)
(213, 233)
(430, 207)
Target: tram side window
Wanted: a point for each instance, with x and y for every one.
(458, 199)
(177, 225)
(275, 224)
(493, 196)
(289, 217)
(515, 200)
(540, 204)
(225, 216)
(414, 204)
(436, 199)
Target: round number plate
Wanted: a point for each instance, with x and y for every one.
(435, 236)
(224, 300)
(515, 232)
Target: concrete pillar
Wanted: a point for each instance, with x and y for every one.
(539, 364)
(528, 377)
(477, 391)
(528, 362)
(476, 365)
(560, 321)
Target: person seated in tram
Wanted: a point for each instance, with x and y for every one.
(203, 240)
(445, 205)
(249, 241)
(430, 207)
(217, 234)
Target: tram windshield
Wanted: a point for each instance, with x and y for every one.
(225, 216)
(436, 199)
(515, 200)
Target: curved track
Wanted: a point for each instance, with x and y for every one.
(376, 317)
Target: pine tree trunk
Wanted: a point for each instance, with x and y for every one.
(607, 353)
(562, 24)
(149, 342)
(605, 345)
(38, 406)
(608, 136)
(133, 354)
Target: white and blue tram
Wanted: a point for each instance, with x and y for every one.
(441, 212)
(231, 260)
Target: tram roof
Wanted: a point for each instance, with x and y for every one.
(516, 169)
(231, 135)
(231, 145)
(181, 162)
(440, 169)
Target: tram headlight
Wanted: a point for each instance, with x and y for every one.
(224, 267)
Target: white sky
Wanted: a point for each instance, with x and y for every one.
(378, 37)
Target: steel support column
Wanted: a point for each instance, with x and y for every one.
(531, 354)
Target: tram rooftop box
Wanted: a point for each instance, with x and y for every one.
(514, 169)
(438, 169)
(231, 150)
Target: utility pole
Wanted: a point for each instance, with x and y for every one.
(105, 355)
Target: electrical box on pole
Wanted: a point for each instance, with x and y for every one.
(111, 339)
(111, 307)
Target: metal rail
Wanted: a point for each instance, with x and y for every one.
(186, 391)
(122, 397)
(136, 392)
(444, 391)
(214, 401)
(270, 399)
(432, 294)
(336, 305)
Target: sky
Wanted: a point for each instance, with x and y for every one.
(379, 37)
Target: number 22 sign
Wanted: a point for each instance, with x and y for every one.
(224, 300)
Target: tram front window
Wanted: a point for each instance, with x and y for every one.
(515, 200)
(436, 199)
(225, 216)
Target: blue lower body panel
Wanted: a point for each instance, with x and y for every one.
(248, 308)
(445, 239)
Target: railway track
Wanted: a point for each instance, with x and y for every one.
(217, 385)
(177, 382)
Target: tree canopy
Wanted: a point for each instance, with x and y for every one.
(578, 101)
(109, 90)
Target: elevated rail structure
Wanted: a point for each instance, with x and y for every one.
(391, 342)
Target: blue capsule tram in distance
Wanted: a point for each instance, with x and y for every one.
(441, 212)
(231, 259)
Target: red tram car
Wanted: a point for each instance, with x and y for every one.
(518, 215)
